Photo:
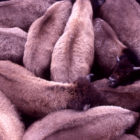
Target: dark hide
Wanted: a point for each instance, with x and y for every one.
(123, 72)
(138, 1)
(96, 4)
(137, 129)
(107, 48)
(83, 88)
(125, 96)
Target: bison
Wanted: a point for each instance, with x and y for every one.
(127, 27)
(107, 47)
(99, 123)
(112, 57)
(126, 70)
(21, 13)
(12, 41)
(37, 97)
(11, 128)
(42, 36)
(123, 16)
(73, 53)
(127, 96)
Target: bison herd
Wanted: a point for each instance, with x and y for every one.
(69, 70)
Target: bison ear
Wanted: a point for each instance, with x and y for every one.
(136, 68)
(118, 59)
(89, 77)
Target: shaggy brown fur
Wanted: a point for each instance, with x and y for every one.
(96, 4)
(112, 57)
(123, 16)
(138, 1)
(42, 36)
(107, 47)
(10, 126)
(126, 70)
(100, 123)
(21, 13)
(12, 41)
(38, 97)
(124, 96)
(74, 51)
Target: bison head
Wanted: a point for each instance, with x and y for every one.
(124, 69)
(86, 95)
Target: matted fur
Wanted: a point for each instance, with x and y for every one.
(42, 36)
(73, 53)
(123, 16)
(12, 41)
(21, 13)
(11, 127)
(100, 123)
(38, 97)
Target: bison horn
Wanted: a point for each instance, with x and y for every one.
(86, 107)
(136, 68)
(112, 79)
(118, 59)
(89, 77)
